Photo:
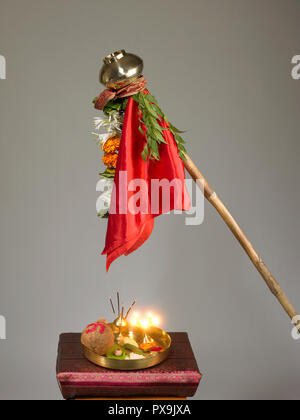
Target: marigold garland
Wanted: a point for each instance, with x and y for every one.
(110, 160)
(111, 145)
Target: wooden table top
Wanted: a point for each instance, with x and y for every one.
(178, 376)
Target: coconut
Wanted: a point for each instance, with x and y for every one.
(98, 337)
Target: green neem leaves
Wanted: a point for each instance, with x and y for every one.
(115, 105)
(151, 115)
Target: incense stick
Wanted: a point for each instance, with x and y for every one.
(122, 313)
(112, 306)
(118, 299)
(130, 309)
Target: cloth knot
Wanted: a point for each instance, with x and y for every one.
(109, 94)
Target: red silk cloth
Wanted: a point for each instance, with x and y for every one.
(127, 230)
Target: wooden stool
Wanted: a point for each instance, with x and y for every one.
(176, 378)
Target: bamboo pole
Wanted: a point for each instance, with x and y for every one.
(212, 197)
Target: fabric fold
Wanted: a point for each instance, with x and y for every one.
(137, 196)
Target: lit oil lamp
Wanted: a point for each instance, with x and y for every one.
(146, 324)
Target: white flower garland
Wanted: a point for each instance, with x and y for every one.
(112, 123)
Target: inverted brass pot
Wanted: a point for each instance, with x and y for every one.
(120, 69)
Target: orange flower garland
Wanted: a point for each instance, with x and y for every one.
(111, 145)
(110, 160)
(110, 148)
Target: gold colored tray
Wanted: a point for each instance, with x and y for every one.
(162, 339)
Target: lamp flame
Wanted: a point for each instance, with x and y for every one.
(149, 321)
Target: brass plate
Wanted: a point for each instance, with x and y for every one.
(161, 337)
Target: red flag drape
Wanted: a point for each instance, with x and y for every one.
(127, 230)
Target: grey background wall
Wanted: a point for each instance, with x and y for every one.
(221, 69)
